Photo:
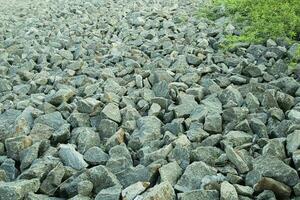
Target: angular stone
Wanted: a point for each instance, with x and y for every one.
(85, 138)
(206, 154)
(237, 138)
(135, 189)
(88, 105)
(181, 155)
(228, 191)
(199, 195)
(102, 178)
(193, 175)
(163, 191)
(296, 159)
(294, 115)
(53, 180)
(107, 128)
(71, 157)
(270, 166)
(15, 145)
(62, 95)
(148, 129)
(244, 190)
(85, 188)
(8, 166)
(231, 97)
(28, 155)
(18, 190)
(259, 128)
(274, 147)
(293, 141)
(281, 190)
(95, 156)
(111, 111)
(236, 159)
(213, 123)
(170, 172)
(111, 193)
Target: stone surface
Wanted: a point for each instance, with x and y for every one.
(71, 157)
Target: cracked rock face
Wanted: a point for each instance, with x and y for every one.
(135, 100)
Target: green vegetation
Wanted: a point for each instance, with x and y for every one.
(261, 19)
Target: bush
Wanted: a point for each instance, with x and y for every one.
(262, 19)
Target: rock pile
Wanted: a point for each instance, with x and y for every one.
(135, 100)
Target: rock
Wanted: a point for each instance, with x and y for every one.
(88, 105)
(148, 129)
(85, 138)
(111, 111)
(9, 169)
(85, 188)
(296, 159)
(276, 148)
(109, 193)
(272, 167)
(213, 123)
(193, 175)
(293, 51)
(237, 138)
(281, 190)
(244, 190)
(199, 195)
(18, 190)
(253, 70)
(266, 194)
(206, 154)
(181, 155)
(228, 192)
(107, 128)
(235, 158)
(135, 189)
(294, 115)
(163, 191)
(28, 155)
(170, 172)
(231, 97)
(53, 180)
(15, 145)
(71, 157)
(259, 128)
(252, 102)
(62, 95)
(287, 84)
(95, 156)
(102, 178)
(293, 142)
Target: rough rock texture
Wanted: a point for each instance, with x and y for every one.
(136, 100)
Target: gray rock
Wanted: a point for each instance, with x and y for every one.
(296, 159)
(87, 105)
(253, 70)
(199, 195)
(85, 188)
(18, 190)
(181, 155)
(111, 193)
(170, 172)
(293, 51)
(244, 190)
(85, 138)
(213, 123)
(281, 190)
(252, 102)
(107, 128)
(9, 169)
(294, 115)
(228, 191)
(259, 128)
(275, 147)
(95, 156)
(53, 180)
(287, 84)
(148, 129)
(163, 191)
(193, 175)
(62, 95)
(102, 178)
(111, 111)
(293, 141)
(28, 155)
(236, 159)
(272, 167)
(71, 157)
(206, 154)
(238, 138)
(15, 145)
(231, 97)
(135, 189)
